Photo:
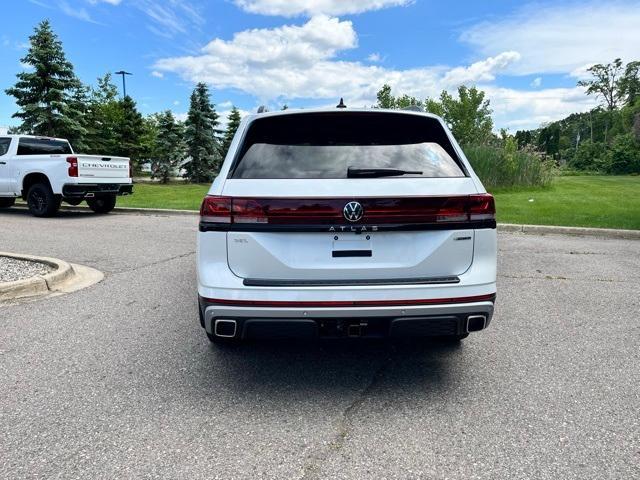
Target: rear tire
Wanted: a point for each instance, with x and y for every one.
(41, 200)
(6, 202)
(102, 204)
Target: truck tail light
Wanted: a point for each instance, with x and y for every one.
(73, 166)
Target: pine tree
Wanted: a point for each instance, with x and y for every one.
(44, 93)
(201, 136)
(169, 146)
(76, 129)
(232, 127)
(128, 132)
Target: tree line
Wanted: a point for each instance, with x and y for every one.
(53, 102)
(605, 139)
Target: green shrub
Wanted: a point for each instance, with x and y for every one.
(507, 167)
(624, 155)
(589, 156)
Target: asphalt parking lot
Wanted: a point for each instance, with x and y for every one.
(119, 380)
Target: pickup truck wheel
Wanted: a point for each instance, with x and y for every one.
(41, 200)
(7, 202)
(102, 204)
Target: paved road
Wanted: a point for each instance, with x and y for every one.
(119, 381)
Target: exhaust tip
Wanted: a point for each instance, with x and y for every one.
(225, 328)
(476, 323)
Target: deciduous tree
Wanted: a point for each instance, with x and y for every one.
(605, 82)
(469, 115)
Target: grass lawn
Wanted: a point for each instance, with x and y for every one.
(583, 201)
(174, 195)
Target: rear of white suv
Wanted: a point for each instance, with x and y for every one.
(347, 223)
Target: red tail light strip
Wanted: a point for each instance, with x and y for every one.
(242, 213)
(350, 303)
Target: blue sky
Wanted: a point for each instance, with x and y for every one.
(526, 56)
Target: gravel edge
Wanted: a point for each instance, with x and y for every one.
(38, 284)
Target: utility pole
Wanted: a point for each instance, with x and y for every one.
(124, 84)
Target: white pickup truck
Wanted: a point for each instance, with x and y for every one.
(45, 171)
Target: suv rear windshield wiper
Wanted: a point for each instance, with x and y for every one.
(354, 172)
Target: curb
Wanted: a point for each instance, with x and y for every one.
(502, 227)
(38, 284)
(124, 210)
(576, 231)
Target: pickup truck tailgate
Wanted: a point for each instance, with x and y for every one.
(95, 166)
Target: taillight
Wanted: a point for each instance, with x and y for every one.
(482, 207)
(216, 210)
(73, 166)
(316, 214)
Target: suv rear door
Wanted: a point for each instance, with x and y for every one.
(290, 184)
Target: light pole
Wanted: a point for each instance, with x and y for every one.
(124, 84)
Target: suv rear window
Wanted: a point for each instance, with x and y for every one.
(43, 146)
(326, 145)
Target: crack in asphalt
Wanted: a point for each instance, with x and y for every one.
(152, 264)
(559, 277)
(311, 467)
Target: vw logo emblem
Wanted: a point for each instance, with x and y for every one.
(353, 211)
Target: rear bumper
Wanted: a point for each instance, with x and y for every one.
(82, 190)
(429, 319)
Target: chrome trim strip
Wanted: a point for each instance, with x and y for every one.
(258, 282)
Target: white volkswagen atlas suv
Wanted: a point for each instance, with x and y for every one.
(345, 223)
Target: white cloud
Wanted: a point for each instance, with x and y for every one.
(482, 71)
(302, 62)
(536, 82)
(519, 109)
(176, 102)
(290, 8)
(110, 2)
(561, 38)
(76, 12)
(157, 74)
(374, 58)
(581, 73)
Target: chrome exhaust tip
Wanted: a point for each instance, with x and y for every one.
(225, 328)
(476, 323)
